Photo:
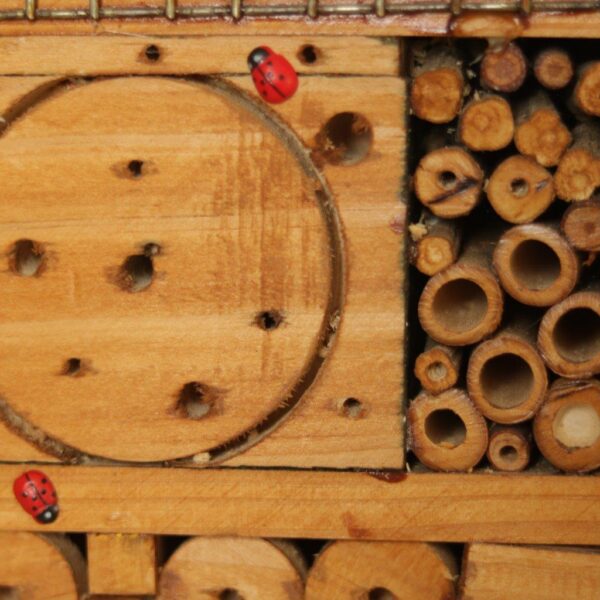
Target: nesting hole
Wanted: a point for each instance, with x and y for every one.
(9, 593)
(27, 258)
(506, 380)
(230, 594)
(352, 408)
(195, 400)
(380, 593)
(72, 367)
(535, 265)
(137, 273)
(308, 54)
(437, 371)
(152, 53)
(445, 428)
(509, 453)
(577, 426)
(345, 139)
(447, 179)
(135, 167)
(460, 305)
(576, 334)
(519, 187)
(268, 320)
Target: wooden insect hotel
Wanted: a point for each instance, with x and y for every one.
(300, 299)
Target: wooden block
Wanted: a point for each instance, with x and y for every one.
(494, 572)
(121, 564)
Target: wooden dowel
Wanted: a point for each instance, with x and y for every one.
(448, 181)
(581, 225)
(535, 264)
(438, 367)
(486, 124)
(463, 303)
(503, 68)
(506, 376)
(435, 244)
(569, 335)
(509, 448)
(587, 91)
(520, 190)
(553, 68)
(567, 427)
(447, 432)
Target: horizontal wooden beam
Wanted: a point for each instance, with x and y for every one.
(540, 509)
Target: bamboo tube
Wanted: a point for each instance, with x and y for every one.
(567, 427)
(447, 432)
(486, 124)
(503, 68)
(437, 86)
(581, 225)
(448, 181)
(509, 448)
(540, 133)
(520, 190)
(587, 90)
(569, 335)
(535, 264)
(435, 244)
(553, 68)
(578, 172)
(463, 303)
(438, 367)
(506, 377)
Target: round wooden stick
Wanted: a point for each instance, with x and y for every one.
(509, 448)
(553, 68)
(438, 367)
(379, 571)
(581, 225)
(567, 427)
(503, 68)
(448, 181)
(435, 244)
(486, 124)
(506, 377)
(520, 190)
(447, 432)
(569, 335)
(587, 90)
(463, 303)
(535, 264)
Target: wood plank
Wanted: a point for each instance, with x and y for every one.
(539, 509)
(495, 572)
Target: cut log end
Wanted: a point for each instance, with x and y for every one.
(581, 225)
(509, 448)
(587, 90)
(437, 368)
(553, 68)
(436, 95)
(486, 124)
(436, 244)
(577, 175)
(503, 69)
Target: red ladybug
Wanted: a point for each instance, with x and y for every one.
(274, 77)
(37, 496)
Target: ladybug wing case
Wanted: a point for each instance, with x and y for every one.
(36, 494)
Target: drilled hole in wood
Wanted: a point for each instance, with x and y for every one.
(308, 54)
(445, 428)
(577, 426)
(345, 139)
(9, 593)
(447, 179)
(152, 53)
(509, 453)
(137, 273)
(576, 334)
(352, 408)
(380, 593)
(268, 319)
(72, 367)
(195, 400)
(27, 258)
(506, 380)
(519, 187)
(437, 371)
(136, 167)
(230, 594)
(460, 305)
(535, 265)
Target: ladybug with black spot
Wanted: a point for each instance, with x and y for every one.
(36, 494)
(274, 77)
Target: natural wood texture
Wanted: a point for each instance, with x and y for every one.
(520, 190)
(486, 124)
(446, 432)
(569, 335)
(587, 91)
(206, 568)
(535, 264)
(448, 182)
(121, 564)
(435, 244)
(581, 225)
(567, 428)
(492, 572)
(503, 68)
(509, 448)
(38, 567)
(553, 68)
(371, 569)
(437, 368)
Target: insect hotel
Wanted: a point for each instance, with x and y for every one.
(299, 300)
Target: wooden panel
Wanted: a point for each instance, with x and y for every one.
(493, 572)
(121, 564)
(311, 504)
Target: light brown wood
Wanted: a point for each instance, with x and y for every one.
(520, 190)
(569, 335)
(581, 225)
(448, 182)
(370, 570)
(437, 368)
(446, 432)
(492, 572)
(535, 264)
(205, 568)
(509, 448)
(121, 564)
(486, 124)
(587, 90)
(553, 68)
(503, 68)
(567, 428)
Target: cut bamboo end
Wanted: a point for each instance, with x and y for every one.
(535, 264)
(581, 225)
(569, 336)
(438, 367)
(509, 448)
(447, 432)
(553, 68)
(435, 244)
(448, 181)
(520, 190)
(486, 124)
(567, 427)
(503, 68)
(587, 90)
(436, 96)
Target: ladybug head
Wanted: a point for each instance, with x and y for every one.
(257, 56)
(48, 515)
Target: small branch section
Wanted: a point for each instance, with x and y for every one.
(486, 124)
(587, 90)
(581, 225)
(553, 68)
(438, 367)
(509, 448)
(503, 68)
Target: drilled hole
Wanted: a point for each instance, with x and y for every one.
(136, 167)
(72, 367)
(460, 305)
(27, 258)
(195, 400)
(308, 54)
(577, 335)
(445, 428)
(509, 453)
(447, 179)
(137, 273)
(535, 265)
(519, 187)
(506, 380)
(352, 408)
(152, 53)
(230, 594)
(268, 319)
(381, 593)
(345, 139)
(437, 371)
(9, 593)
